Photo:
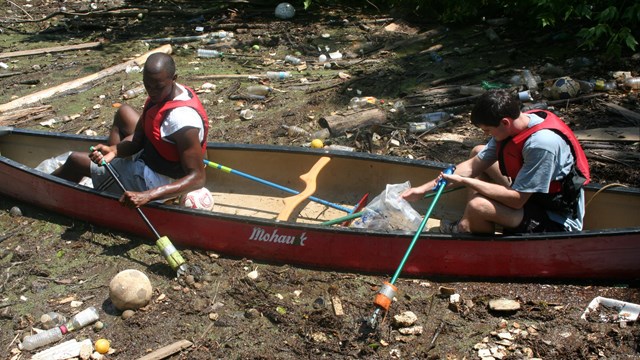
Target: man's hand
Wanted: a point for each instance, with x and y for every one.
(134, 199)
(417, 193)
(101, 153)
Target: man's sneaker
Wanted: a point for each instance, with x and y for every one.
(449, 227)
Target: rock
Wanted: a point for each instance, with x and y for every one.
(413, 330)
(127, 314)
(130, 290)
(85, 351)
(319, 337)
(504, 305)
(446, 291)
(15, 211)
(405, 319)
(252, 314)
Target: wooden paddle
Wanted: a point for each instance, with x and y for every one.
(292, 202)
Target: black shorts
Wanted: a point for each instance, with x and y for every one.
(535, 220)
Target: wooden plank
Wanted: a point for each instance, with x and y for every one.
(12, 54)
(74, 84)
(168, 350)
(617, 134)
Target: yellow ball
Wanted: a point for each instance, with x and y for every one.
(102, 346)
(317, 144)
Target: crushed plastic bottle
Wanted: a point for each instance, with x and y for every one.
(294, 131)
(209, 53)
(260, 90)
(43, 338)
(419, 127)
(278, 75)
(364, 102)
(340, 147)
(321, 134)
(292, 60)
(52, 319)
(83, 318)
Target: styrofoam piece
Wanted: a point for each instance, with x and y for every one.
(66, 350)
(626, 311)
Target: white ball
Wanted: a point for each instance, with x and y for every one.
(285, 11)
(198, 199)
(130, 290)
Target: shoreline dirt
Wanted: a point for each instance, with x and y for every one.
(49, 261)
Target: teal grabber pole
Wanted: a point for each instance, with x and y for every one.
(164, 245)
(388, 289)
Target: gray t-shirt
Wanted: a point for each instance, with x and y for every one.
(547, 157)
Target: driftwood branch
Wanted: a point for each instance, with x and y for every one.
(167, 351)
(90, 45)
(340, 123)
(74, 84)
(24, 115)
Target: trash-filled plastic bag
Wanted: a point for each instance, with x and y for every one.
(50, 165)
(388, 211)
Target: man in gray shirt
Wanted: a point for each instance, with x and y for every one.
(528, 178)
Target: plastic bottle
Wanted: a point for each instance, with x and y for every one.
(52, 319)
(632, 83)
(537, 106)
(340, 147)
(586, 87)
(321, 134)
(294, 131)
(471, 90)
(260, 90)
(83, 318)
(220, 34)
(278, 75)
(131, 93)
(418, 127)
(602, 85)
(208, 53)
(43, 338)
(292, 60)
(529, 80)
(493, 85)
(435, 117)
(362, 102)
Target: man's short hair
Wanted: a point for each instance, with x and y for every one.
(493, 106)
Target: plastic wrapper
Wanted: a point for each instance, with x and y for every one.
(388, 211)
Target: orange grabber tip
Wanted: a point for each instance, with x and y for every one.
(385, 295)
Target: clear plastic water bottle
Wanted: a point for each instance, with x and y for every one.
(321, 134)
(419, 127)
(209, 53)
(261, 90)
(340, 147)
(132, 93)
(43, 338)
(278, 75)
(471, 90)
(632, 83)
(435, 117)
(292, 60)
(83, 318)
(294, 131)
(529, 80)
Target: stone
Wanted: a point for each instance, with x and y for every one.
(130, 290)
(504, 305)
(405, 319)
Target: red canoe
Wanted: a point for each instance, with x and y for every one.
(243, 222)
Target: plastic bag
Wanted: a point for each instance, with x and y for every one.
(388, 211)
(50, 165)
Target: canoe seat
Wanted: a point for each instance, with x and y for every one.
(291, 203)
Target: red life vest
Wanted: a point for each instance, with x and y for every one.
(510, 150)
(155, 114)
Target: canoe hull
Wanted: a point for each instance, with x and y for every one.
(610, 255)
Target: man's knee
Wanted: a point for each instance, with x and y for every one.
(479, 205)
(476, 150)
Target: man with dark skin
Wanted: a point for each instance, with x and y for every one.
(159, 154)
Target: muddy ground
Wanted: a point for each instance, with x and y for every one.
(50, 262)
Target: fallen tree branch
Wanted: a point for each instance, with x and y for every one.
(62, 88)
(90, 45)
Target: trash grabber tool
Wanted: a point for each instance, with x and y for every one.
(388, 290)
(269, 183)
(163, 243)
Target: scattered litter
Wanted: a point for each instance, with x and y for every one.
(49, 123)
(626, 311)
